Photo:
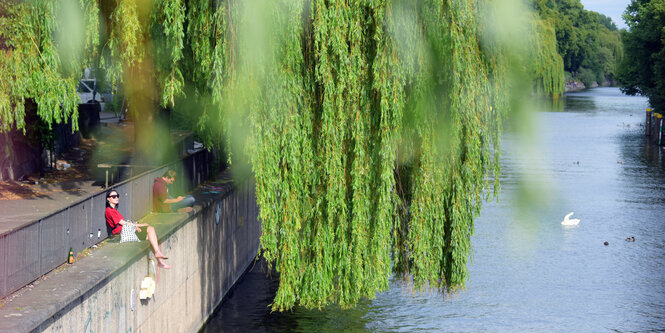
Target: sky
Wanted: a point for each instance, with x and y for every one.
(610, 8)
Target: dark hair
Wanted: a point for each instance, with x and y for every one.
(169, 174)
(108, 194)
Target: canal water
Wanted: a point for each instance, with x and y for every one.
(530, 273)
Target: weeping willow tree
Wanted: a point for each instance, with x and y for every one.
(374, 133)
(372, 126)
(44, 49)
(547, 64)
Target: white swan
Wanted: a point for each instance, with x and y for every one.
(567, 221)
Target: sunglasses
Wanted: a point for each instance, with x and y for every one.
(113, 196)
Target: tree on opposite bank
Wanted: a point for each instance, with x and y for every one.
(643, 71)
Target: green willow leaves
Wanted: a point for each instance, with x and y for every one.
(372, 126)
(374, 135)
(34, 66)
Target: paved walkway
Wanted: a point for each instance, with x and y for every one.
(49, 196)
(106, 117)
(16, 213)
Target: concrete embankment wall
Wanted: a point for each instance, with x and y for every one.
(208, 249)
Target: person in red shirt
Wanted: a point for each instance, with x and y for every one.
(115, 220)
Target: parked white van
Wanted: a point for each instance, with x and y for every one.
(89, 93)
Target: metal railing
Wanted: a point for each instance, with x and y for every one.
(38, 247)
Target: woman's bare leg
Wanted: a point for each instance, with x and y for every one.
(152, 238)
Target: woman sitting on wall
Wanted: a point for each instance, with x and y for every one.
(115, 220)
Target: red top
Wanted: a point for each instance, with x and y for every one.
(113, 218)
(159, 194)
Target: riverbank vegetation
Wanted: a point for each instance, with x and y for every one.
(643, 72)
(589, 43)
(372, 127)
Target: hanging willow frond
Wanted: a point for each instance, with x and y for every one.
(546, 62)
(168, 34)
(326, 170)
(31, 66)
